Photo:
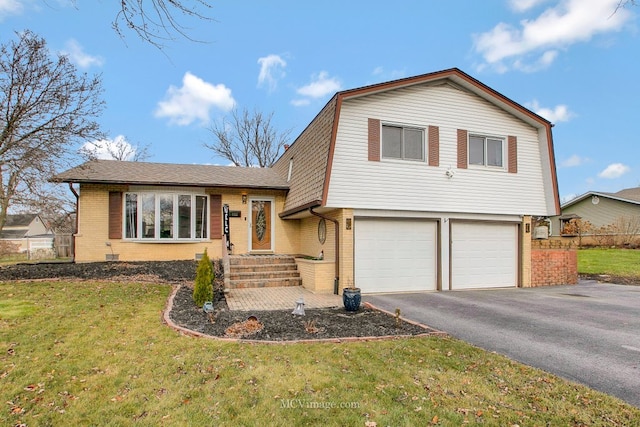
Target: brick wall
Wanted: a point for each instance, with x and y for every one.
(553, 262)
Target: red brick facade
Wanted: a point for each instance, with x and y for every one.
(553, 262)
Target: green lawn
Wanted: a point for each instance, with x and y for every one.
(98, 354)
(617, 262)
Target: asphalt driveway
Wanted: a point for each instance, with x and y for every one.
(589, 333)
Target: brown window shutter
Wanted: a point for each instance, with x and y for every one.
(434, 146)
(374, 140)
(513, 154)
(462, 149)
(115, 215)
(215, 216)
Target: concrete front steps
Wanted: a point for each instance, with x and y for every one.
(261, 271)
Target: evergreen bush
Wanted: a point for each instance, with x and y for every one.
(203, 288)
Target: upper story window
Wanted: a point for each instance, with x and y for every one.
(400, 142)
(165, 216)
(486, 151)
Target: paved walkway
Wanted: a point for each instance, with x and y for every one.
(278, 298)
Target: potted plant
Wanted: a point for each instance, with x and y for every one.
(351, 297)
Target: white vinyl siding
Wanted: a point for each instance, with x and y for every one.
(359, 183)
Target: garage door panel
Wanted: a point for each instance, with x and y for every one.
(395, 255)
(484, 255)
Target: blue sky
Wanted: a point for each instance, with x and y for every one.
(574, 62)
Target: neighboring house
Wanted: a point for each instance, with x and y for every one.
(27, 232)
(423, 183)
(600, 210)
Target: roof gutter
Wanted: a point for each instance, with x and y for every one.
(336, 279)
(73, 235)
(299, 209)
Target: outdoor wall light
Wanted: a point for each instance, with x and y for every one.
(244, 199)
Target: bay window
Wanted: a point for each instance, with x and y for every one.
(165, 216)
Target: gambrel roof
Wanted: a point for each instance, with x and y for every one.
(311, 154)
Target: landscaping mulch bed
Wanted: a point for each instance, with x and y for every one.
(282, 325)
(278, 325)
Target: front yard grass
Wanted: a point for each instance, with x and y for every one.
(81, 353)
(615, 262)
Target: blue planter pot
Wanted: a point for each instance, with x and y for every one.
(351, 299)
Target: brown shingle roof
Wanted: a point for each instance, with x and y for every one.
(629, 194)
(142, 173)
(310, 154)
(19, 220)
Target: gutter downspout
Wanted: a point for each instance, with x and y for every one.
(336, 279)
(73, 235)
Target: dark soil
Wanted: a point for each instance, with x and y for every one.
(148, 271)
(277, 325)
(606, 278)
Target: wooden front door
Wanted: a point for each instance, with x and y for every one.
(261, 225)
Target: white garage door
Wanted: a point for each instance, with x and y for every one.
(483, 255)
(395, 255)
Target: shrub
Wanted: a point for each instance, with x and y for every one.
(203, 288)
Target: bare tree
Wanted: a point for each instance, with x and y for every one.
(157, 21)
(46, 108)
(248, 140)
(624, 3)
(118, 149)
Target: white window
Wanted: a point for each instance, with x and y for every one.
(399, 142)
(166, 216)
(486, 151)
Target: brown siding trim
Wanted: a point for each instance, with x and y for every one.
(115, 214)
(374, 140)
(554, 176)
(434, 146)
(332, 147)
(462, 149)
(513, 154)
(215, 216)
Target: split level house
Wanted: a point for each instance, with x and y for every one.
(423, 183)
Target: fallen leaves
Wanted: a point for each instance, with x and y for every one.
(243, 329)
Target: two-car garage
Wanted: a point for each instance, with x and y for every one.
(407, 255)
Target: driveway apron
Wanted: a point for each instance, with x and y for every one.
(588, 333)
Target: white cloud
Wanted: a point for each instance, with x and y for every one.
(574, 161)
(300, 102)
(320, 86)
(193, 101)
(560, 113)
(10, 7)
(614, 170)
(523, 5)
(538, 40)
(271, 70)
(76, 54)
(568, 197)
(110, 149)
(381, 74)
